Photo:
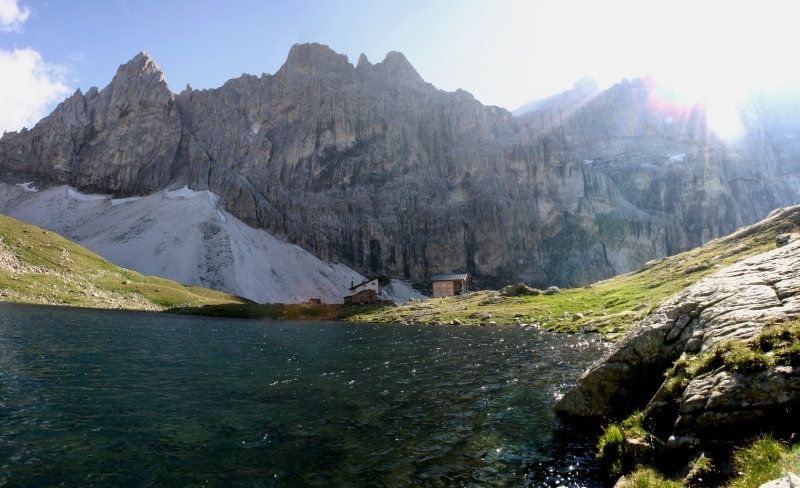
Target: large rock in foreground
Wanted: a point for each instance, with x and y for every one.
(731, 305)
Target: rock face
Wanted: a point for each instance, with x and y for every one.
(373, 167)
(734, 304)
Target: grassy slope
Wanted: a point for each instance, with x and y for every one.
(59, 272)
(38, 266)
(608, 307)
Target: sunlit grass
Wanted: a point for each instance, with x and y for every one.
(764, 460)
(44, 268)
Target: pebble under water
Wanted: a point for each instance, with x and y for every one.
(109, 398)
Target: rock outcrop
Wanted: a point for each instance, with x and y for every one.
(371, 166)
(730, 306)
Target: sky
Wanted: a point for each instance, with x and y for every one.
(504, 52)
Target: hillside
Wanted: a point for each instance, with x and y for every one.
(184, 236)
(368, 165)
(40, 267)
(609, 307)
(706, 388)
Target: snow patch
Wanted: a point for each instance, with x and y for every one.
(26, 187)
(678, 158)
(120, 201)
(81, 197)
(399, 291)
(184, 193)
(221, 217)
(588, 162)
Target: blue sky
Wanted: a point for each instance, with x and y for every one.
(505, 52)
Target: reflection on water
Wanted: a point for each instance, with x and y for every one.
(129, 399)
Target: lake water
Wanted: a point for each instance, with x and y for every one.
(100, 398)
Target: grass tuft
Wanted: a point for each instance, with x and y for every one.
(645, 477)
(610, 449)
(701, 467)
(761, 461)
(777, 345)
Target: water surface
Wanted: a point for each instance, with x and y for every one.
(103, 398)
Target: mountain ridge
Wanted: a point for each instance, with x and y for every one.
(373, 167)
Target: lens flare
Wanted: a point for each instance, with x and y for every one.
(718, 105)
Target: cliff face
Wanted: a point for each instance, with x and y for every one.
(371, 166)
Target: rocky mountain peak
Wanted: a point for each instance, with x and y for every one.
(142, 65)
(586, 85)
(363, 62)
(580, 93)
(368, 166)
(397, 67)
(314, 60)
(139, 79)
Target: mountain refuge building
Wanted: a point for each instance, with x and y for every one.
(364, 294)
(448, 285)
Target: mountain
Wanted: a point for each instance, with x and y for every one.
(183, 235)
(581, 93)
(372, 167)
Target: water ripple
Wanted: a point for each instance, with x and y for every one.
(129, 399)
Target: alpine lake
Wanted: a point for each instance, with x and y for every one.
(113, 398)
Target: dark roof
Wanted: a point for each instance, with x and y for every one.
(450, 277)
(362, 284)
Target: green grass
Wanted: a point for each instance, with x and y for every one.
(648, 478)
(701, 467)
(632, 427)
(615, 454)
(39, 266)
(609, 307)
(764, 460)
(611, 449)
(776, 345)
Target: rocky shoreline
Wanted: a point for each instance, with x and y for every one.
(728, 348)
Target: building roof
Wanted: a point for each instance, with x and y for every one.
(362, 284)
(450, 277)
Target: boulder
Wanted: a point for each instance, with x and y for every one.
(552, 290)
(492, 300)
(519, 289)
(791, 480)
(732, 304)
